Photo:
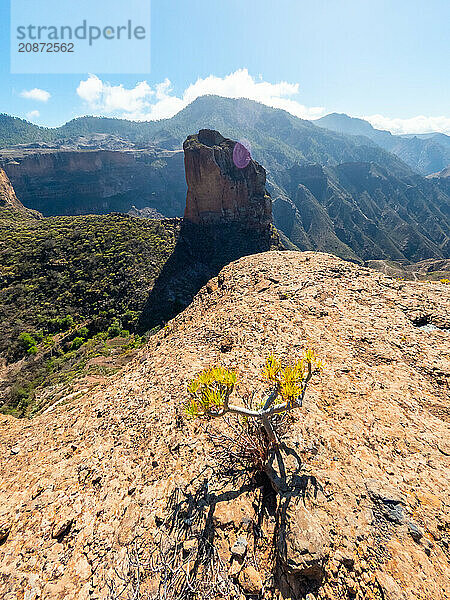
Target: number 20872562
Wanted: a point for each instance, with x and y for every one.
(46, 47)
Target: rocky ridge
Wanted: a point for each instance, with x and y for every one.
(360, 211)
(364, 510)
(424, 153)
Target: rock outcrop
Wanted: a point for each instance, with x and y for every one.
(228, 214)
(365, 511)
(224, 183)
(8, 198)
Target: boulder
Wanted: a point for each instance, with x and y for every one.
(250, 580)
(303, 543)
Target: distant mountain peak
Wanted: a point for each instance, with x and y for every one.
(343, 123)
(425, 153)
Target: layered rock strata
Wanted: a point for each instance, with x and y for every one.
(224, 183)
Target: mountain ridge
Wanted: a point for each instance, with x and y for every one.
(425, 153)
(149, 174)
(214, 112)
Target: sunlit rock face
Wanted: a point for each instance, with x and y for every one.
(224, 184)
(7, 194)
(9, 200)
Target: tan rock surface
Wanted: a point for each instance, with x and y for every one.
(7, 194)
(78, 484)
(250, 580)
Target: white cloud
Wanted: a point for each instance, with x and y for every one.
(90, 90)
(419, 124)
(36, 94)
(115, 99)
(33, 114)
(146, 103)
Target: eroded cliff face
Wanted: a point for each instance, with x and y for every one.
(360, 211)
(8, 198)
(61, 182)
(364, 513)
(7, 195)
(224, 183)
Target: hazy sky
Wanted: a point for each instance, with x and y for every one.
(386, 60)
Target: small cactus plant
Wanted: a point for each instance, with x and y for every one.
(211, 389)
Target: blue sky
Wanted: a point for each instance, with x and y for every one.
(382, 59)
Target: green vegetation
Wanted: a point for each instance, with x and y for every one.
(67, 286)
(210, 393)
(27, 343)
(18, 131)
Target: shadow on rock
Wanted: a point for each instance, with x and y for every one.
(302, 538)
(200, 253)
